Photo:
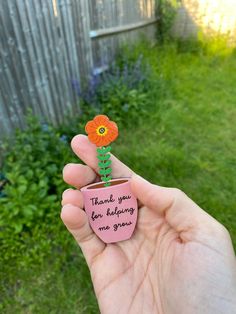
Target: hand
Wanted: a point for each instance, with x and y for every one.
(179, 260)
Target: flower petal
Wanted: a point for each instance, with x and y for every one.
(93, 137)
(101, 120)
(112, 135)
(113, 125)
(102, 141)
(112, 131)
(90, 127)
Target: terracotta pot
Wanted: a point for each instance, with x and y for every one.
(112, 210)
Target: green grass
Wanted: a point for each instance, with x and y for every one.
(186, 140)
(52, 289)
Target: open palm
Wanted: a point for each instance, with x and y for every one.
(179, 259)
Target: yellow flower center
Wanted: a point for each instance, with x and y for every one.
(101, 130)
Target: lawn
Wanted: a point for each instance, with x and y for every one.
(184, 138)
(188, 138)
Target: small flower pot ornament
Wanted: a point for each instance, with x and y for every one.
(110, 204)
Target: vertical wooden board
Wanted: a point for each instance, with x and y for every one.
(70, 7)
(38, 60)
(63, 59)
(115, 46)
(34, 56)
(109, 22)
(21, 31)
(94, 24)
(66, 32)
(36, 14)
(52, 62)
(102, 52)
(8, 87)
(73, 74)
(65, 98)
(58, 75)
(92, 14)
(4, 60)
(84, 47)
(11, 68)
(4, 118)
(19, 60)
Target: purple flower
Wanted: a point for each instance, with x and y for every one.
(113, 80)
(64, 138)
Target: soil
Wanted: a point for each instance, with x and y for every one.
(101, 184)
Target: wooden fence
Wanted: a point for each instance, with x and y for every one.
(47, 44)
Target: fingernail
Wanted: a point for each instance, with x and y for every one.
(65, 192)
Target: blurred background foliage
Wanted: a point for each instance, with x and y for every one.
(179, 98)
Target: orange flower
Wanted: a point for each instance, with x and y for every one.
(101, 131)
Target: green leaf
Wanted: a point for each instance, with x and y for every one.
(22, 189)
(104, 164)
(105, 171)
(105, 157)
(104, 150)
(102, 171)
(106, 179)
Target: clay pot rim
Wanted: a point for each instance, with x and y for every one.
(90, 186)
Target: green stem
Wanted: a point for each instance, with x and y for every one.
(104, 164)
(104, 168)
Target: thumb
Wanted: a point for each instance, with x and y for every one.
(155, 197)
(179, 211)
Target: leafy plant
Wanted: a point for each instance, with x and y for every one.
(166, 12)
(31, 233)
(119, 91)
(32, 167)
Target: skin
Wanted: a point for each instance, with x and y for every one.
(179, 260)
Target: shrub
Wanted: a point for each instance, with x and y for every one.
(117, 92)
(33, 170)
(166, 11)
(30, 202)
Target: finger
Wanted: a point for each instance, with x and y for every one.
(73, 197)
(178, 209)
(76, 221)
(153, 196)
(78, 175)
(88, 154)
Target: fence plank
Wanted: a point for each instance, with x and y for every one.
(46, 47)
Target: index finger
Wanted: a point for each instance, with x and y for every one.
(87, 152)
